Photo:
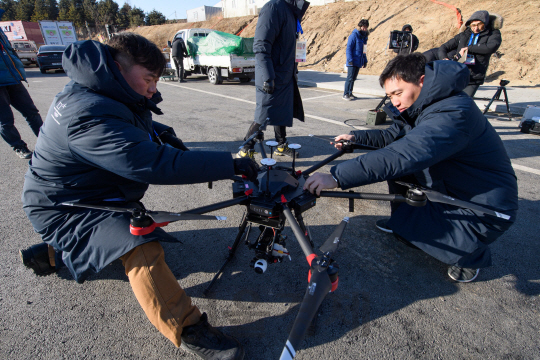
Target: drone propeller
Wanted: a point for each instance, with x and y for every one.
(322, 280)
(437, 197)
(156, 216)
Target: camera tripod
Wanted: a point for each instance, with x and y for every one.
(500, 89)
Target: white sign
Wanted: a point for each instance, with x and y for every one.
(50, 32)
(67, 32)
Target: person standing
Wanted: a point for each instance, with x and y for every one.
(179, 50)
(474, 46)
(356, 56)
(277, 95)
(13, 93)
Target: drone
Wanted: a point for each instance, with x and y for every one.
(270, 201)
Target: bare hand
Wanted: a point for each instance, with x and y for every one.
(346, 137)
(318, 182)
(463, 51)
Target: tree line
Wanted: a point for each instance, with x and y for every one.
(82, 13)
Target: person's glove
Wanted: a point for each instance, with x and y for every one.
(268, 87)
(172, 140)
(246, 166)
(350, 63)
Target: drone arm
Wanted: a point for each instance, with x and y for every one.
(298, 233)
(364, 196)
(322, 163)
(217, 206)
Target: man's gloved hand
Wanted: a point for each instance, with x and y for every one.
(350, 63)
(246, 166)
(268, 87)
(172, 140)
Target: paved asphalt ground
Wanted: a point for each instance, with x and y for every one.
(393, 302)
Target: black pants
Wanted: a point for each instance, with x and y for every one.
(280, 133)
(179, 64)
(352, 74)
(18, 97)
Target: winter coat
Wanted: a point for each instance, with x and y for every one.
(179, 48)
(275, 53)
(355, 49)
(98, 145)
(11, 67)
(444, 140)
(487, 44)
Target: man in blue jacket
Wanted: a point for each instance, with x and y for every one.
(439, 140)
(99, 145)
(13, 92)
(356, 56)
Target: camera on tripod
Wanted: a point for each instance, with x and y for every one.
(400, 40)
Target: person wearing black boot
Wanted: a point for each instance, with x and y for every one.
(178, 52)
(100, 145)
(440, 140)
(276, 88)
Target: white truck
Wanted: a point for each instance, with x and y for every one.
(216, 67)
(26, 50)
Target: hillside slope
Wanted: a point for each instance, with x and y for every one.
(326, 29)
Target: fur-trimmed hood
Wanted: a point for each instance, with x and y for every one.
(495, 21)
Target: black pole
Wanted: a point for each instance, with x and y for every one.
(322, 163)
(365, 196)
(217, 206)
(298, 233)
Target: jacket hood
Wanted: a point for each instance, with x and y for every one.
(493, 21)
(90, 64)
(442, 79)
(407, 26)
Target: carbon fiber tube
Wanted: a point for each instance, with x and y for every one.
(322, 163)
(365, 196)
(298, 233)
(217, 206)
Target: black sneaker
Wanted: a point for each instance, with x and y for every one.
(23, 153)
(352, 97)
(36, 257)
(209, 343)
(284, 149)
(382, 225)
(463, 275)
(346, 97)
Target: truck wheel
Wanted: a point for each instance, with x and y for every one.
(214, 76)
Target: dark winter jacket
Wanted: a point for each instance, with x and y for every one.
(487, 44)
(99, 144)
(11, 67)
(445, 142)
(275, 52)
(356, 55)
(179, 48)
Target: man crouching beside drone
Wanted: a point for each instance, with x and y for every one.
(439, 140)
(100, 146)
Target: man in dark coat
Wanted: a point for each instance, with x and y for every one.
(178, 52)
(410, 41)
(277, 95)
(100, 146)
(441, 141)
(474, 46)
(356, 56)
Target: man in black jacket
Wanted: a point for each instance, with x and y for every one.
(179, 50)
(277, 95)
(441, 141)
(99, 145)
(474, 46)
(410, 41)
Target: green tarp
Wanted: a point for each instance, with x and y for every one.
(220, 43)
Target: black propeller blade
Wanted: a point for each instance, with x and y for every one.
(156, 216)
(435, 196)
(331, 244)
(319, 285)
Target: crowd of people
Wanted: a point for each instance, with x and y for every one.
(105, 148)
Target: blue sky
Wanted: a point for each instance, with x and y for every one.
(168, 7)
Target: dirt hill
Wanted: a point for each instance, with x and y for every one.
(326, 29)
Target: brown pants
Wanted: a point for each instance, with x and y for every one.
(165, 303)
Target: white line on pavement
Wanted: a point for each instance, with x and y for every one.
(318, 97)
(516, 166)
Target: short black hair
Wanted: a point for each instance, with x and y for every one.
(363, 22)
(408, 68)
(132, 49)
